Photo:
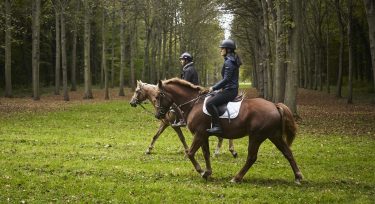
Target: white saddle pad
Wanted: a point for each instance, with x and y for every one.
(233, 108)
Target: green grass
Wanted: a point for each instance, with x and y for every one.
(95, 153)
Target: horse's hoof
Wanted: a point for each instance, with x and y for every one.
(234, 180)
(235, 154)
(148, 151)
(206, 174)
(298, 181)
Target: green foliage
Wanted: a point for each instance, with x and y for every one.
(95, 153)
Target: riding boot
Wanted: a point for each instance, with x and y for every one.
(216, 128)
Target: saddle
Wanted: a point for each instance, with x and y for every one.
(229, 110)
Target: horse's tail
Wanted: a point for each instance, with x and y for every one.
(288, 126)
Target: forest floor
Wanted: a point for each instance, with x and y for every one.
(320, 113)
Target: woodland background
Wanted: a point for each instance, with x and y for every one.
(323, 45)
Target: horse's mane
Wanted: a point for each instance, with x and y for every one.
(183, 83)
(151, 85)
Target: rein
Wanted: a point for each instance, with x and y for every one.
(193, 100)
(145, 109)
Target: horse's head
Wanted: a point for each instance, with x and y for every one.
(139, 95)
(163, 101)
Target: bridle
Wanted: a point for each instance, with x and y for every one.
(137, 102)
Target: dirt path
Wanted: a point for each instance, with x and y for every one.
(320, 113)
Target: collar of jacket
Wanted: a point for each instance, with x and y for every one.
(187, 65)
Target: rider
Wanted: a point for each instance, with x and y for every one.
(189, 74)
(228, 85)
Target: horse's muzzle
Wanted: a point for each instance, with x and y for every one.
(133, 103)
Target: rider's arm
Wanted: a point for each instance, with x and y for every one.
(228, 72)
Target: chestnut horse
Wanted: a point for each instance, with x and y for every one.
(258, 118)
(146, 91)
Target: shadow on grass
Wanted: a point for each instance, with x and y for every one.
(305, 184)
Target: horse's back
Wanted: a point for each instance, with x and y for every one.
(259, 104)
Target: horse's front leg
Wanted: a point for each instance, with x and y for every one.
(206, 155)
(182, 138)
(195, 145)
(162, 127)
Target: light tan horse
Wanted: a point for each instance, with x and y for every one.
(258, 119)
(146, 91)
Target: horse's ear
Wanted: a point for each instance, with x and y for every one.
(160, 84)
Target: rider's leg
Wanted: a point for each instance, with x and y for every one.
(211, 106)
(180, 116)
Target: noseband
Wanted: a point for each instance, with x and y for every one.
(162, 110)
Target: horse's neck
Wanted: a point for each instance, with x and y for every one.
(151, 94)
(185, 100)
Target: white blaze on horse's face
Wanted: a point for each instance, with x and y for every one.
(138, 96)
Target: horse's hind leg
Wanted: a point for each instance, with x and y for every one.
(219, 143)
(252, 154)
(182, 138)
(231, 149)
(284, 148)
(162, 127)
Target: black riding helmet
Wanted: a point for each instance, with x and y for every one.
(186, 56)
(228, 43)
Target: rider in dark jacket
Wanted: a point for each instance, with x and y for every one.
(189, 74)
(228, 85)
(188, 71)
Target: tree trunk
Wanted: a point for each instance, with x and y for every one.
(74, 51)
(370, 11)
(279, 90)
(122, 60)
(102, 77)
(170, 72)
(320, 71)
(36, 47)
(327, 60)
(164, 51)
(63, 56)
(292, 71)
(305, 64)
(58, 48)
(268, 55)
(350, 47)
(113, 49)
(8, 50)
(316, 65)
(133, 51)
(104, 59)
(87, 41)
(341, 50)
